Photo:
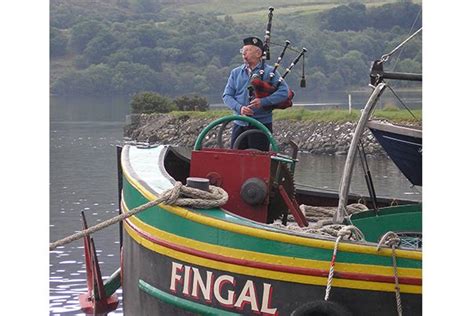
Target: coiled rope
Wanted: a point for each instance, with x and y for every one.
(392, 240)
(179, 195)
(320, 221)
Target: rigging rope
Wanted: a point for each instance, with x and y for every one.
(400, 100)
(385, 57)
(411, 29)
(191, 197)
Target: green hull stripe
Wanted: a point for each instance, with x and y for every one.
(403, 218)
(180, 302)
(177, 225)
(113, 283)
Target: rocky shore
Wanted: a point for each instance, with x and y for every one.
(314, 137)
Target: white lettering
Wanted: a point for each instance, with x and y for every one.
(229, 301)
(248, 295)
(187, 280)
(205, 289)
(213, 290)
(175, 267)
(267, 300)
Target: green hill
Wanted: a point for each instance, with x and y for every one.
(183, 47)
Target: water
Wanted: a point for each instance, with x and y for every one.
(83, 178)
(83, 137)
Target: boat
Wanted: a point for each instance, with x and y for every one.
(231, 259)
(404, 145)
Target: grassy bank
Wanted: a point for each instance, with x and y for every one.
(299, 114)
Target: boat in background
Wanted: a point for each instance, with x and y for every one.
(403, 145)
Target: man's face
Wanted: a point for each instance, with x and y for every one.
(251, 54)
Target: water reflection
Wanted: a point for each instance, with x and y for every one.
(323, 171)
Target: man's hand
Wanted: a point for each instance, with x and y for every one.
(246, 110)
(255, 103)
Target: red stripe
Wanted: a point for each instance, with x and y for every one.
(275, 267)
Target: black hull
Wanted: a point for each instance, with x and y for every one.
(154, 268)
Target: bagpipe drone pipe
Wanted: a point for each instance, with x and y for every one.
(261, 88)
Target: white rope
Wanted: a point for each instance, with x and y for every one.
(320, 221)
(392, 240)
(331, 269)
(191, 197)
(345, 231)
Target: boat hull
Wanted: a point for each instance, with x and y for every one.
(149, 276)
(183, 261)
(404, 146)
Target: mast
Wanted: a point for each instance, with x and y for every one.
(351, 155)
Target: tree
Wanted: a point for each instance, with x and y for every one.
(146, 35)
(169, 54)
(63, 16)
(120, 55)
(130, 78)
(319, 81)
(345, 17)
(100, 47)
(123, 3)
(147, 6)
(147, 56)
(82, 33)
(57, 42)
(409, 65)
(353, 67)
(193, 103)
(72, 83)
(403, 14)
(150, 102)
(101, 79)
(335, 81)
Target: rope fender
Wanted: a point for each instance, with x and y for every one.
(179, 195)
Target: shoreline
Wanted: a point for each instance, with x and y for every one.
(328, 138)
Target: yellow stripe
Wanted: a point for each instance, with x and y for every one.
(270, 258)
(275, 275)
(260, 233)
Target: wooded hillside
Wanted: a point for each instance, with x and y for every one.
(182, 47)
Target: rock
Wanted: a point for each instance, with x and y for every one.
(153, 139)
(317, 138)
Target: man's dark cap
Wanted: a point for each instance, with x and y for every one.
(255, 41)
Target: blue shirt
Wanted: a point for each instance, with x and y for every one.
(236, 93)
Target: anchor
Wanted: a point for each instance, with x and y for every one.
(95, 301)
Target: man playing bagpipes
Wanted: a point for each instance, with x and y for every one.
(240, 95)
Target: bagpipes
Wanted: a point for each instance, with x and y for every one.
(260, 88)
